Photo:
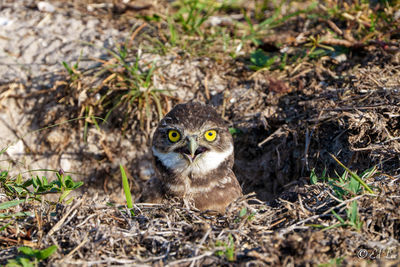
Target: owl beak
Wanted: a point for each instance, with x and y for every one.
(193, 146)
(192, 149)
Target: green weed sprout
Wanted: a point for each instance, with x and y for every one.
(31, 257)
(229, 251)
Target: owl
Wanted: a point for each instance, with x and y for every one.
(193, 158)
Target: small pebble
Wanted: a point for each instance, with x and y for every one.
(45, 7)
(396, 15)
(16, 150)
(5, 21)
(340, 58)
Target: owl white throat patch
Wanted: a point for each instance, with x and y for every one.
(203, 164)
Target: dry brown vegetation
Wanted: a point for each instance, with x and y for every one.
(332, 87)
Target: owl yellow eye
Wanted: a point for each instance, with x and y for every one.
(174, 136)
(210, 135)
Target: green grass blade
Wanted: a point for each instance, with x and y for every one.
(354, 212)
(333, 226)
(354, 175)
(127, 190)
(95, 123)
(68, 68)
(12, 203)
(5, 226)
(338, 217)
(14, 215)
(172, 32)
(64, 195)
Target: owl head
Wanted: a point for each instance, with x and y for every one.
(192, 137)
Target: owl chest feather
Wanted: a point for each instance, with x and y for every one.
(182, 178)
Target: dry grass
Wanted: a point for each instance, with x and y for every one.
(281, 232)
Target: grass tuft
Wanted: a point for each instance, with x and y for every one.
(346, 186)
(355, 176)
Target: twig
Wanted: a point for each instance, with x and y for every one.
(136, 33)
(108, 260)
(334, 27)
(207, 91)
(335, 198)
(277, 222)
(84, 221)
(279, 132)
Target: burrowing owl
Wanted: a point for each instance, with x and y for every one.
(193, 157)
